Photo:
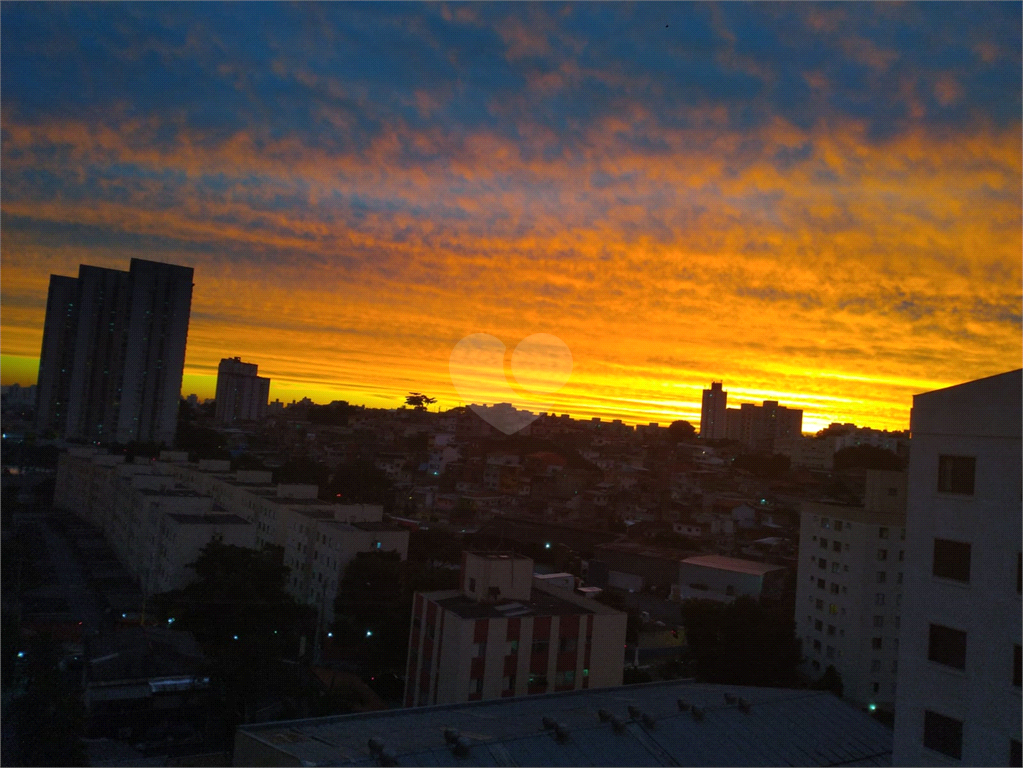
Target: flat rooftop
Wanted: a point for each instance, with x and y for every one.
(782, 727)
(541, 603)
(733, 564)
(214, 519)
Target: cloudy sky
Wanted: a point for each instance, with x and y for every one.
(815, 203)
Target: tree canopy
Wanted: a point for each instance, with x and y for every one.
(419, 401)
(745, 642)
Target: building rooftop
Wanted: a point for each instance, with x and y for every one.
(214, 519)
(782, 727)
(544, 601)
(733, 564)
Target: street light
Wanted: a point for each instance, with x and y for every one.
(369, 633)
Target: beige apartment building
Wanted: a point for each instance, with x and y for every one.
(503, 634)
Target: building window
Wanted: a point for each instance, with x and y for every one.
(882, 577)
(836, 546)
(829, 652)
(508, 683)
(838, 526)
(820, 605)
(882, 554)
(479, 649)
(563, 679)
(818, 625)
(879, 598)
(836, 567)
(472, 585)
(831, 630)
(876, 643)
(902, 555)
(817, 645)
(943, 734)
(567, 645)
(825, 523)
(537, 680)
(816, 665)
(824, 543)
(952, 560)
(833, 609)
(820, 583)
(834, 588)
(882, 533)
(513, 647)
(947, 646)
(540, 647)
(822, 564)
(1017, 670)
(876, 687)
(1019, 573)
(879, 621)
(898, 578)
(477, 685)
(956, 473)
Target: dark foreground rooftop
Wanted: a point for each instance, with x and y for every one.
(781, 727)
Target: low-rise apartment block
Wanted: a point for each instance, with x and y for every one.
(503, 634)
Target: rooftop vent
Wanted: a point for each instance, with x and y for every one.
(376, 745)
(649, 721)
(604, 715)
(617, 724)
(460, 747)
(561, 732)
(548, 723)
(698, 713)
(683, 705)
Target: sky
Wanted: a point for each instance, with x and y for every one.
(814, 203)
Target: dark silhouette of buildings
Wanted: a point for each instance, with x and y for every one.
(241, 394)
(713, 413)
(113, 353)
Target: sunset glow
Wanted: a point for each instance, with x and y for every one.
(815, 203)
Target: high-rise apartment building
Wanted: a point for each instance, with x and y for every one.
(760, 426)
(500, 634)
(712, 414)
(113, 353)
(959, 700)
(242, 395)
(849, 589)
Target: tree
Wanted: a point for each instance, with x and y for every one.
(868, 457)
(419, 401)
(681, 432)
(303, 471)
(358, 481)
(238, 609)
(742, 643)
(829, 681)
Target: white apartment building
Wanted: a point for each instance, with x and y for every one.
(849, 589)
(959, 700)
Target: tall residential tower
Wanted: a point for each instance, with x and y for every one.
(113, 353)
(712, 415)
(241, 394)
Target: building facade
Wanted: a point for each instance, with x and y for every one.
(849, 584)
(113, 353)
(242, 395)
(712, 412)
(760, 426)
(501, 635)
(715, 577)
(959, 699)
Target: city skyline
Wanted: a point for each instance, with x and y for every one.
(815, 204)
